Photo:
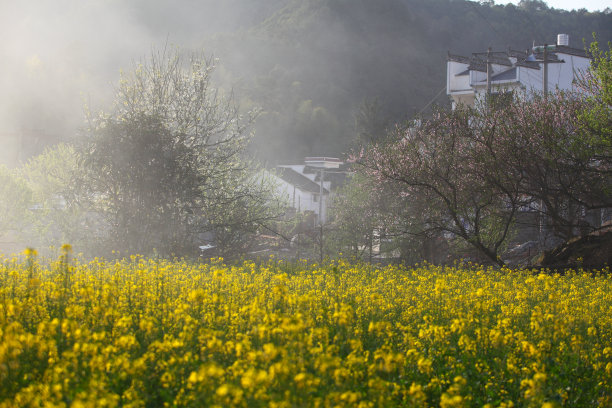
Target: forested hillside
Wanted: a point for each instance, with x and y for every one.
(322, 71)
(325, 70)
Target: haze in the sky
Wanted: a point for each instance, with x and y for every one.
(591, 5)
(58, 57)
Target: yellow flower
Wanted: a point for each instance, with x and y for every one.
(223, 390)
(30, 252)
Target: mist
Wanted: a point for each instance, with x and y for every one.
(60, 57)
(307, 65)
(305, 203)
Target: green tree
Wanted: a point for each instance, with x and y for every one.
(370, 122)
(533, 5)
(473, 170)
(168, 163)
(144, 184)
(596, 84)
(444, 168)
(15, 201)
(354, 220)
(371, 219)
(56, 217)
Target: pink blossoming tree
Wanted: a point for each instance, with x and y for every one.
(472, 171)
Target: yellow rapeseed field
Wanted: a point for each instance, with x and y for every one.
(150, 333)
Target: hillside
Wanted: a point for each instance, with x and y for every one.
(321, 70)
(313, 63)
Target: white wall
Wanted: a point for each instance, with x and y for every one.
(456, 83)
(560, 75)
(466, 89)
(302, 200)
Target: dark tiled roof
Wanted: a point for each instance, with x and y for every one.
(458, 58)
(478, 66)
(311, 170)
(552, 57)
(500, 58)
(478, 60)
(518, 54)
(507, 75)
(337, 177)
(463, 73)
(572, 51)
(528, 64)
(299, 180)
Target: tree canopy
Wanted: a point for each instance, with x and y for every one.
(166, 166)
(475, 170)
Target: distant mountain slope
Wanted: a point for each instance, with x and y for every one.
(321, 70)
(312, 63)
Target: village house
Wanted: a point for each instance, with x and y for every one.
(301, 186)
(540, 69)
(469, 79)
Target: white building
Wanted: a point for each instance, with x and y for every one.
(300, 184)
(523, 71)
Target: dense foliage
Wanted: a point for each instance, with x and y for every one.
(145, 332)
(308, 63)
(168, 163)
(482, 173)
(16, 197)
(165, 169)
(311, 64)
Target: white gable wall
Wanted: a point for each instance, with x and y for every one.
(302, 200)
(467, 89)
(456, 83)
(572, 68)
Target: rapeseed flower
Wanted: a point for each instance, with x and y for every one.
(149, 332)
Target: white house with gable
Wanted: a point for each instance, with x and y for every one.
(469, 78)
(301, 186)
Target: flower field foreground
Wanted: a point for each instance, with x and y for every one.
(146, 333)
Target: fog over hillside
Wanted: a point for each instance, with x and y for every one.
(309, 65)
(62, 55)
